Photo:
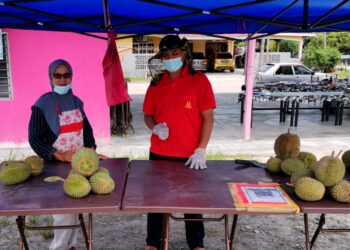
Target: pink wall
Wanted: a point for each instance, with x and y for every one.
(31, 52)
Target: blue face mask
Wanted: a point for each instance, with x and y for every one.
(62, 90)
(172, 65)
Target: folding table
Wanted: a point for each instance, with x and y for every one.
(37, 197)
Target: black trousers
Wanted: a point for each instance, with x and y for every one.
(194, 229)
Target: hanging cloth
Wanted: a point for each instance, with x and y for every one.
(116, 91)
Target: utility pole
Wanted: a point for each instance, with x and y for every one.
(324, 39)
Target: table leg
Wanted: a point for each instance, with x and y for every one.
(90, 232)
(233, 229)
(281, 111)
(285, 110)
(292, 114)
(296, 114)
(20, 225)
(321, 222)
(341, 113)
(83, 228)
(323, 116)
(307, 239)
(328, 106)
(227, 240)
(165, 238)
(242, 110)
(337, 109)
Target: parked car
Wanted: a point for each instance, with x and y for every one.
(220, 62)
(199, 61)
(296, 72)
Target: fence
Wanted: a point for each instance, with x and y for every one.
(274, 57)
(136, 65)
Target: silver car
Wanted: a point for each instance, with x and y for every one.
(199, 61)
(295, 72)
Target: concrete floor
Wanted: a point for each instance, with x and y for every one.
(227, 137)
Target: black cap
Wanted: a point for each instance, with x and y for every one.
(170, 42)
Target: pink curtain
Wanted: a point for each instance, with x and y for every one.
(116, 91)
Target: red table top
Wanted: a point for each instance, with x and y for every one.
(35, 196)
(170, 187)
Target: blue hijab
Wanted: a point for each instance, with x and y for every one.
(50, 101)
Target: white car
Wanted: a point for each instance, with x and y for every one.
(294, 72)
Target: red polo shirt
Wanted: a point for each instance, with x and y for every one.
(179, 103)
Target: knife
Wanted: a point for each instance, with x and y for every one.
(250, 163)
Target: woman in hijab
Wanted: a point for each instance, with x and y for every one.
(58, 127)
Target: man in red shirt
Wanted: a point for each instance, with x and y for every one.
(178, 108)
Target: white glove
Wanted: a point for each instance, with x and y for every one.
(161, 130)
(197, 160)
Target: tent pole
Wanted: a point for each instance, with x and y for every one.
(249, 78)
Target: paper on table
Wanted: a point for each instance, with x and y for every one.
(262, 197)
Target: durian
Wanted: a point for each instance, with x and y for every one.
(306, 172)
(292, 165)
(346, 158)
(14, 172)
(85, 162)
(103, 170)
(274, 164)
(309, 159)
(341, 191)
(76, 186)
(36, 163)
(309, 189)
(287, 146)
(101, 183)
(329, 170)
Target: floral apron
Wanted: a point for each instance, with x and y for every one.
(71, 131)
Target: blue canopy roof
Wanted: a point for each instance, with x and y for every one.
(177, 16)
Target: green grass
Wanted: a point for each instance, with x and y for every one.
(343, 74)
(137, 79)
(47, 234)
(220, 156)
(4, 222)
(32, 221)
(209, 156)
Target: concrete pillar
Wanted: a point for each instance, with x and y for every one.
(249, 81)
(300, 50)
(262, 49)
(267, 50)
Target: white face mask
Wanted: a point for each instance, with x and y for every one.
(172, 65)
(62, 90)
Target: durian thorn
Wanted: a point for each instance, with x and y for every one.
(339, 153)
(289, 184)
(332, 155)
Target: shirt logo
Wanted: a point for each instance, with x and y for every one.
(188, 105)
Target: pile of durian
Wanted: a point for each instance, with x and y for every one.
(14, 172)
(310, 178)
(85, 176)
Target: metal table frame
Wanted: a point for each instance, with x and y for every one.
(294, 106)
(322, 220)
(21, 225)
(50, 199)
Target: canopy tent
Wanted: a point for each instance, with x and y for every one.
(257, 18)
(180, 16)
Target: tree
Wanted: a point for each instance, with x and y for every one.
(289, 46)
(339, 40)
(323, 59)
